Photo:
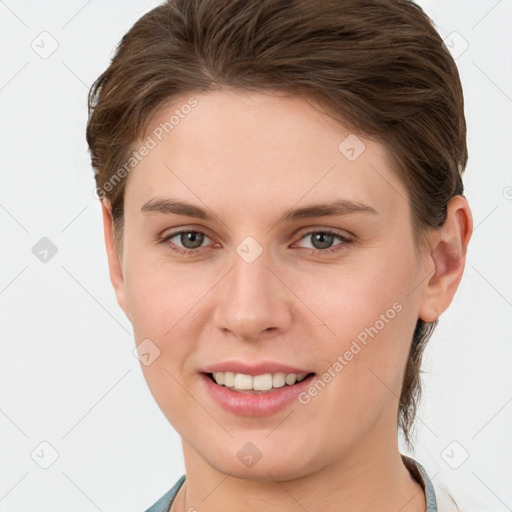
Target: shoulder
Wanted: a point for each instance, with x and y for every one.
(163, 504)
(438, 499)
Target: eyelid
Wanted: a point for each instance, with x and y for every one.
(171, 232)
(343, 234)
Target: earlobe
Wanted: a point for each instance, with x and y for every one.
(114, 259)
(448, 256)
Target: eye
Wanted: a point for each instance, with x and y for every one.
(190, 241)
(322, 240)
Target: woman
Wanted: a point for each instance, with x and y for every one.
(285, 222)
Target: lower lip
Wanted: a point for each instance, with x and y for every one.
(255, 404)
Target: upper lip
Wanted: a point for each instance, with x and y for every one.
(253, 368)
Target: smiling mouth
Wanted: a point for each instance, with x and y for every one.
(264, 383)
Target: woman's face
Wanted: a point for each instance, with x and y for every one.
(269, 277)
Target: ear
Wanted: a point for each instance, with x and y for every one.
(447, 259)
(114, 259)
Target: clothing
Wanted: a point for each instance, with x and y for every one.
(164, 503)
(415, 468)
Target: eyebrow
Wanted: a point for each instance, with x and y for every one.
(171, 206)
(338, 207)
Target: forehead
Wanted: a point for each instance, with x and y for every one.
(271, 150)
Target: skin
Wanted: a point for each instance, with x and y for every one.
(247, 158)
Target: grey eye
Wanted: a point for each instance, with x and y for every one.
(191, 239)
(321, 240)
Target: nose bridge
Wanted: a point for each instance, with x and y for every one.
(254, 302)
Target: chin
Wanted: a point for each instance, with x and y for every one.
(262, 459)
(264, 471)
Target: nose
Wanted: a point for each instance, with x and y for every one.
(254, 303)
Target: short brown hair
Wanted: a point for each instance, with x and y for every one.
(378, 66)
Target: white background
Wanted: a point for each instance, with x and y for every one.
(68, 376)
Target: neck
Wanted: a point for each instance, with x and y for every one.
(370, 477)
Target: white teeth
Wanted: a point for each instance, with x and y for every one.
(243, 381)
(278, 380)
(290, 379)
(229, 379)
(262, 382)
(265, 382)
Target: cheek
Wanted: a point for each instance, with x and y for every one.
(362, 375)
(350, 299)
(162, 299)
(163, 306)
(369, 350)
(370, 315)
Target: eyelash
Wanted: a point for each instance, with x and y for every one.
(344, 241)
